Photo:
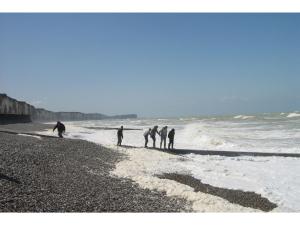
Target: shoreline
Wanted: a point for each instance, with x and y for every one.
(80, 153)
(140, 166)
(65, 175)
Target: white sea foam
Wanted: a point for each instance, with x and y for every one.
(199, 136)
(292, 115)
(272, 177)
(28, 135)
(275, 178)
(143, 165)
(243, 117)
(265, 136)
(269, 176)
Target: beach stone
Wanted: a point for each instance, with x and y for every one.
(64, 175)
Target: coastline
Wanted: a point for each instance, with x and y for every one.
(140, 166)
(64, 175)
(40, 174)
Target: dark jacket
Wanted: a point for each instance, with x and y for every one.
(120, 133)
(171, 134)
(60, 127)
(153, 132)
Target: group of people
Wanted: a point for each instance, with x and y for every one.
(163, 133)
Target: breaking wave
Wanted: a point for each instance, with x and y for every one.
(201, 136)
(273, 133)
(292, 115)
(243, 117)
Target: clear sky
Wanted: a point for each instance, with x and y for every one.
(152, 64)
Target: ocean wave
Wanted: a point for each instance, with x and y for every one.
(243, 117)
(188, 118)
(201, 136)
(260, 134)
(292, 115)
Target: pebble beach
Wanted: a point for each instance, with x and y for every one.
(40, 173)
(63, 175)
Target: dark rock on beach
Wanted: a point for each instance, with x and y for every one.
(63, 175)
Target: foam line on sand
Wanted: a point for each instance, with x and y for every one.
(140, 166)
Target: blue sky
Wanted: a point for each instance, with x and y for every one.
(152, 64)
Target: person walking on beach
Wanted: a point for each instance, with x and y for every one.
(120, 136)
(146, 135)
(163, 136)
(153, 133)
(171, 138)
(60, 128)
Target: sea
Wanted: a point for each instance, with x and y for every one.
(276, 178)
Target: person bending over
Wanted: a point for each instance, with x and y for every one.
(171, 138)
(153, 134)
(146, 135)
(60, 128)
(120, 136)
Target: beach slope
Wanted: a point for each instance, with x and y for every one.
(40, 174)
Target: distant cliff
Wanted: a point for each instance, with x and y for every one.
(12, 110)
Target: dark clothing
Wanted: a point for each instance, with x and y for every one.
(153, 139)
(60, 128)
(171, 144)
(146, 135)
(152, 135)
(60, 134)
(153, 132)
(120, 132)
(163, 136)
(171, 134)
(146, 141)
(119, 141)
(120, 136)
(171, 138)
(163, 140)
